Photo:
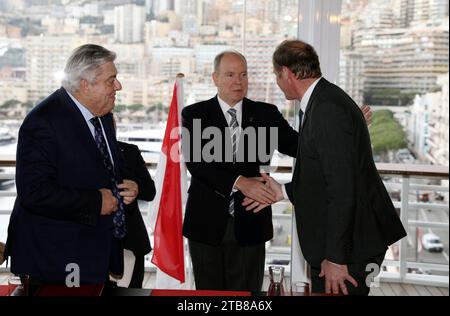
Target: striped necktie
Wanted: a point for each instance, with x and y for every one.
(119, 215)
(234, 126)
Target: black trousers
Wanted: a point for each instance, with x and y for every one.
(138, 272)
(357, 271)
(229, 266)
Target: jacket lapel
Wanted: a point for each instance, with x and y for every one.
(79, 124)
(247, 114)
(216, 115)
(311, 101)
(112, 141)
(310, 105)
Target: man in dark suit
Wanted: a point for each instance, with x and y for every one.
(345, 217)
(137, 176)
(227, 243)
(68, 220)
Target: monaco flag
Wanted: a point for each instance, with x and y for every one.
(167, 212)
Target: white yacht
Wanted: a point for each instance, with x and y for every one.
(149, 141)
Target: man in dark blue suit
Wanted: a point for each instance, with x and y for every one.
(68, 211)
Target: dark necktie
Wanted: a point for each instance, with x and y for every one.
(119, 215)
(234, 126)
(300, 118)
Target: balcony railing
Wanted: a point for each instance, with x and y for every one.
(419, 192)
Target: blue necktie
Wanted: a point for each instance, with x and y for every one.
(119, 215)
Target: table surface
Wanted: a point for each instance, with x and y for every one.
(98, 290)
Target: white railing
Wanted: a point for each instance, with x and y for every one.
(406, 262)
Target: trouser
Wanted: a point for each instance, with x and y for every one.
(138, 272)
(229, 266)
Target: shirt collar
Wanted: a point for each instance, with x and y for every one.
(305, 100)
(225, 106)
(86, 113)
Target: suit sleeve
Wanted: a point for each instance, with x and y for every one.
(289, 191)
(334, 139)
(287, 136)
(217, 178)
(145, 183)
(37, 180)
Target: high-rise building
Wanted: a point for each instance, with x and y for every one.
(430, 10)
(406, 12)
(351, 74)
(12, 5)
(416, 11)
(427, 125)
(409, 60)
(204, 57)
(129, 23)
(169, 61)
(182, 7)
(160, 6)
(262, 85)
(46, 58)
(438, 141)
(418, 124)
(377, 15)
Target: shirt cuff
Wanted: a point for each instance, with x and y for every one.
(283, 189)
(234, 190)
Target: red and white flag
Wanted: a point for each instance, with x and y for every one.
(168, 206)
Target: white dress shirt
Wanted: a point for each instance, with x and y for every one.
(87, 117)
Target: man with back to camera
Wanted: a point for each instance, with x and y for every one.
(345, 217)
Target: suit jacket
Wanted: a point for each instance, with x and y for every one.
(134, 169)
(56, 217)
(212, 182)
(343, 211)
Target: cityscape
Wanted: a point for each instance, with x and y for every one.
(394, 56)
(393, 53)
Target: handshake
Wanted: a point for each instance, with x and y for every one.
(259, 192)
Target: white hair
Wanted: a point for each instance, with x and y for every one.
(83, 63)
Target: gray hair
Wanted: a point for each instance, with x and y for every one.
(219, 57)
(83, 63)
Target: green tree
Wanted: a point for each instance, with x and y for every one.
(391, 96)
(135, 107)
(28, 105)
(10, 104)
(386, 133)
(119, 108)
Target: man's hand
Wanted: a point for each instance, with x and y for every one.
(367, 111)
(252, 205)
(255, 189)
(109, 202)
(129, 191)
(335, 277)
